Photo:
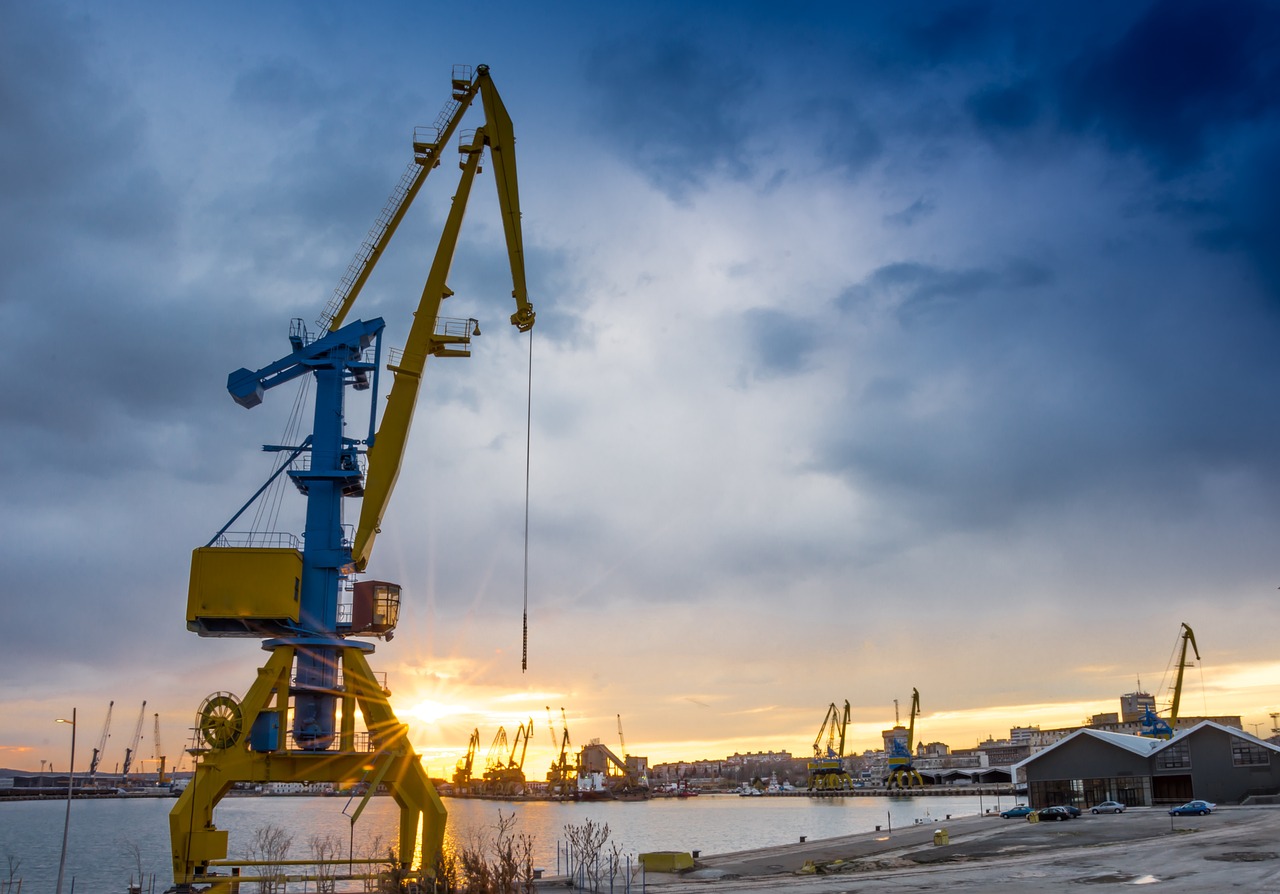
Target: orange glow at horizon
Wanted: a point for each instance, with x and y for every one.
(442, 714)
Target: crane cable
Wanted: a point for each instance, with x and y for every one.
(268, 511)
(528, 437)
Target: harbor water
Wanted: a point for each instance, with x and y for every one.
(112, 841)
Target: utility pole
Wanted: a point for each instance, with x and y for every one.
(71, 781)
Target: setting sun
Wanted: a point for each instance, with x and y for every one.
(431, 711)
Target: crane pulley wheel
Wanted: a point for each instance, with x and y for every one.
(220, 720)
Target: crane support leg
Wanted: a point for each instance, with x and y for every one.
(239, 751)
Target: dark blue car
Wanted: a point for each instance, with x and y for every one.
(1048, 814)
(1193, 808)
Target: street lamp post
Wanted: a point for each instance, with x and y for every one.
(66, 825)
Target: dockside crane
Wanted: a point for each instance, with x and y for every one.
(102, 744)
(902, 771)
(1153, 725)
(636, 782)
(131, 753)
(302, 595)
(495, 763)
(159, 753)
(513, 781)
(462, 780)
(827, 770)
(562, 778)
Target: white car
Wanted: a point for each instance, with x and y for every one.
(1108, 807)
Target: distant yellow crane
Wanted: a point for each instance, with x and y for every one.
(102, 744)
(131, 753)
(513, 781)
(504, 765)
(827, 771)
(159, 753)
(495, 763)
(902, 772)
(562, 778)
(636, 781)
(1153, 725)
(462, 780)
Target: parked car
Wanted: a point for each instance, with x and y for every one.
(1071, 809)
(1020, 810)
(1193, 808)
(1054, 813)
(1108, 807)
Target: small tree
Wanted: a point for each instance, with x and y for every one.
(524, 848)
(324, 850)
(268, 848)
(483, 862)
(587, 841)
(134, 850)
(14, 863)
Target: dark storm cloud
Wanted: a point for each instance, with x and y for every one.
(1002, 107)
(675, 107)
(921, 291)
(68, 149)
(845, 138)
(1253, 219)
(912, 214)
(281, 90)
(943, 33)
(780, 342)
(88, 225)
(1010, 392)
(1180, 80)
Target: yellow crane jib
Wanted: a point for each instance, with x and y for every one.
(427, 336)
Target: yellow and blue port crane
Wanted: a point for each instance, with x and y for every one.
(302, 596)
(902, 771)
(1153, 725)
(827, 771)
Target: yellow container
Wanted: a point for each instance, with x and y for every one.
(941, 837)
(243, 591)
(666, 861)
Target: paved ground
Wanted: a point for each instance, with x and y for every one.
(1234, 849)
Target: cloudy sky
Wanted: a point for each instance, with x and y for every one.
(879, 346)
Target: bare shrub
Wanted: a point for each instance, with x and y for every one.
(586, 844)
(15, 863)
(324, 850)
(268, 848)
(481, 862)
